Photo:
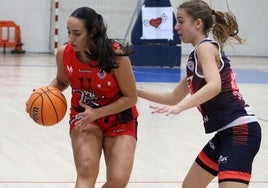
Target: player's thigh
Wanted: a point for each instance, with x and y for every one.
(87, 145)
(119, 152)
(233, 185)
(197, 177)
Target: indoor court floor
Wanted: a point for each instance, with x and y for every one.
(34, 156)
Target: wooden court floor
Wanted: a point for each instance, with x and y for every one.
(32, 156)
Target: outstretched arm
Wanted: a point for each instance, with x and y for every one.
(209, 63)
(167, 98)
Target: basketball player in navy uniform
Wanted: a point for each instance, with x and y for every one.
(211, 83)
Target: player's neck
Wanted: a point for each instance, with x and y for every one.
(82, 56)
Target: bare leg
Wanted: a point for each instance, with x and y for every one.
(119, 154)
(228, 184)
(197, 177)
(87, 148)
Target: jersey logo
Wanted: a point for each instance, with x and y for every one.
(85, 71)
(190, 65)
(212, 146)
(69, 69)
(205, 118)
(223, 159)
(102, 74)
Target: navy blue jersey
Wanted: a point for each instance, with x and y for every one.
(229, 104)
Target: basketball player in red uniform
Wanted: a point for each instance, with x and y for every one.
(103, 115)
(211, 83)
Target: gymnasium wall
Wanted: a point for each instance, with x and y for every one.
(33, 17)
(36, 20)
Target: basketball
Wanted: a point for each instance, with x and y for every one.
(47, 106)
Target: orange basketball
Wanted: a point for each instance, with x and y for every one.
(47, 106)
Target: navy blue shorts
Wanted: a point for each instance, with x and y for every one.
(230, 153)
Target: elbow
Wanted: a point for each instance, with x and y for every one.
(217, 89)
(134, 100)
(213, 90)
(130, 103)
(62, 85)
(130, 100)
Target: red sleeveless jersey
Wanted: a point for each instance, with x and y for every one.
(90, 85)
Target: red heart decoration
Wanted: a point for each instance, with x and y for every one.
(156, 22)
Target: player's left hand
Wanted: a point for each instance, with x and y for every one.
(174, 109)
(86, 117)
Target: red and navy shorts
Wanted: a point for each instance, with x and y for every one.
(230, 153)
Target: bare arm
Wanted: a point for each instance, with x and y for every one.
(168, 98)
(208, 61)
(126, 81)
(61, 80)
(209, 64)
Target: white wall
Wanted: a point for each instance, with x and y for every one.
(252, 17)
(35, 18)
(116, 13)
